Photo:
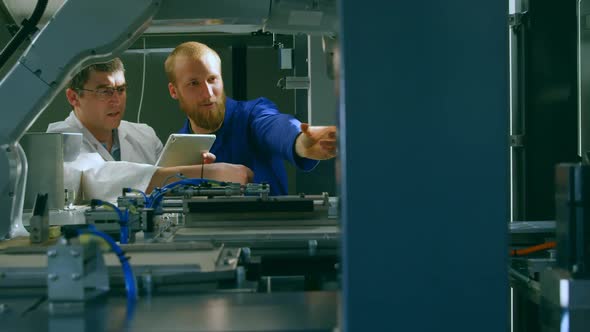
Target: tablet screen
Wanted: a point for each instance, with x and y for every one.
(185, 149)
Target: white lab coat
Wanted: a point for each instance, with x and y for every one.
(100, 176)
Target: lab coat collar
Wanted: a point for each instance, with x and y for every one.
(73, 121)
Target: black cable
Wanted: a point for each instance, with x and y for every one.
(28, 28)
(35, 305)
(202, 168)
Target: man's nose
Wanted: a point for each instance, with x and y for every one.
(207, 90)
(116, 97)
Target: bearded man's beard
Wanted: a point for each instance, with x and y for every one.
(208, 119)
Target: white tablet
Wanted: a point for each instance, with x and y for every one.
(185, 149)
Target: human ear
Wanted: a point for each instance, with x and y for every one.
(172, 91)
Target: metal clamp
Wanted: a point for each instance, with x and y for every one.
(517, 141)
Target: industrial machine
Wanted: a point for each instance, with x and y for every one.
(188, 247)
(551, 280)
(198, 239)
(548, 258)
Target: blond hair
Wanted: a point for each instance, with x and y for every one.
(191, 49)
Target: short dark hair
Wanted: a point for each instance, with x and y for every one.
(77, 82)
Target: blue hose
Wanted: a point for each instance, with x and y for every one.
(123, 218)
(157, 195)
(124, 224)
(128, 275)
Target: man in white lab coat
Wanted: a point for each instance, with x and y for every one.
(128, 151)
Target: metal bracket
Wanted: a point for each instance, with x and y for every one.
(40, 220)
(228, 258)
(293, 82)
(516, 20)
(75, 272)
(260, 32)
(517, 141)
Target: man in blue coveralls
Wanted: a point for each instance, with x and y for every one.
(251, 133)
